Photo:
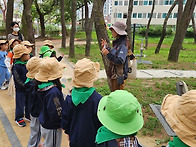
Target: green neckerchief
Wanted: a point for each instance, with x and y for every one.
(45, 84)
(20, 62)
(28, 80)
(177, 142)
(81, 95)
(103, 135)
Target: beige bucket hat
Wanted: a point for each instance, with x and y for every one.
(85, 73)
(27, 43)
(48, 42)
(33, 67)
(50, 69)
(12, 40)
(180, 113)
(3, 41)
(19, 50)
(119, 27)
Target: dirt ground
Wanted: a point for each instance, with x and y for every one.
(23, 133)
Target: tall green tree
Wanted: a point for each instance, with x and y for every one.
(9, 16)
(181, 29)
(63, 44)
(129, 31)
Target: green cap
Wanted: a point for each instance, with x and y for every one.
(44, 49)
(49, 53)
(120, 112)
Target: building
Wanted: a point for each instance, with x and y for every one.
(141, 11)
(107, 11)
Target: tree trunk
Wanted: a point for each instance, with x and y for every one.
(73, 29)
(129, 31)
(28, 17)
(88, 28)
(4, 11)
(181, 30)
(101, 31)
(63, 44)
(82, 18)
(163, 34)
(41, 17)
(9, 16)
(194, 29)
(24, 25)
(148, 25)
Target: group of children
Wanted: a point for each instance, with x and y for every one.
(89, 119)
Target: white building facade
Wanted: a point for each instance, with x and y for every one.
(141, 11)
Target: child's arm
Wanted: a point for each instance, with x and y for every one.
(17, 78)
(7, 62)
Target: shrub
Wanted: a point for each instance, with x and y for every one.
(155, 31)
(190, 33)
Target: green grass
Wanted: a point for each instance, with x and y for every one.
(149, 91)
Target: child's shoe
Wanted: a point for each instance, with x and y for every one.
(28, 119)
(20, 122)
(3, 87)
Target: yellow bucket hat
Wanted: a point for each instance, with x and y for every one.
(33, 67)
(50, 69)
(180, 113)
(12, 40)
(85, 73)
(19, 50)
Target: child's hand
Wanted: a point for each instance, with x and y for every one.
(104, 51)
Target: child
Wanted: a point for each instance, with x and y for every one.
(33, 67)
(180, 114)
(79, 113)
(51, 46)
(49, 90)
(4, 73)
(9, 57)
(29, 46)
(9, 62)
(121, 116)
(21, 56)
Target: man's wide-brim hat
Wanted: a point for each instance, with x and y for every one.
(19, 50)
(85, 73)
(121, 113)
(119, 27)
(33, 66)
(50, 69)
(180, 113)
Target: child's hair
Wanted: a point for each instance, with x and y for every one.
(56, 82)
(19, 34)
(119, 40)
(3, 44)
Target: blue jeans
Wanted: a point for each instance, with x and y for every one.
(4, 75)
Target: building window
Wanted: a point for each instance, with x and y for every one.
(164, 15)
(134, 15)
(171, 2)
(125, 15)
(125, 3)
(175, 15)
(139, 15)
(170, 15)
(161, 2)
(159, 15)
(145, 2)
(166, 2)
(149, 15)
(119, 15)
(120, 3)
(116, 3)
(150, 2)
(135, 2)
(144, 15)
(141, 3)
(154, 15)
